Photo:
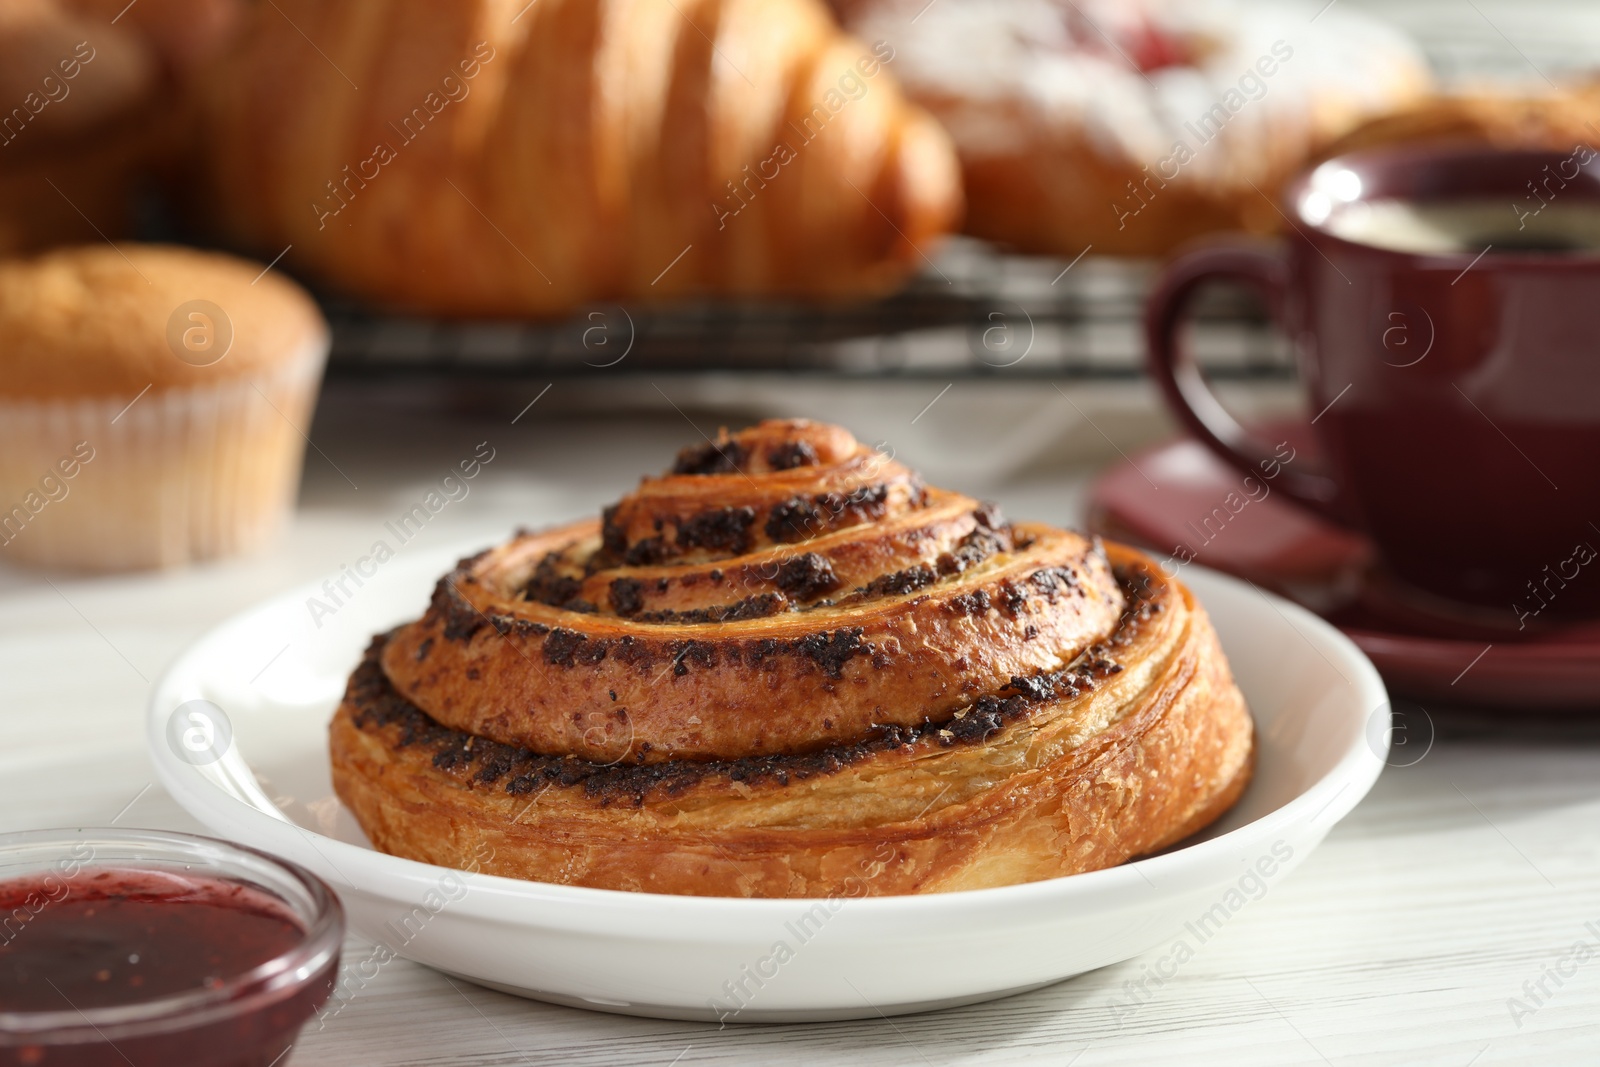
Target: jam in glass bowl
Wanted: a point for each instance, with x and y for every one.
(157, 949)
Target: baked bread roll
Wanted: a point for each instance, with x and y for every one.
(49, 55)
(74, 99)
(789, 669)
(514, 159)
(1557, 120)
(1136, 125)
(92, 110)
(185, 35)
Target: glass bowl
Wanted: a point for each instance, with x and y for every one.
(246, 1019)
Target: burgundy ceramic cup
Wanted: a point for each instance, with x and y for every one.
(1455, 396)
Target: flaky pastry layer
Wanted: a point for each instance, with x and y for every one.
(1139, 741)
(781, 591)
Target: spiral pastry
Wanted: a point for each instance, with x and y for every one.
(789, 668)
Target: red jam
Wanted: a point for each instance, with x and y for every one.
(1136, 39)
(108, 937)
(1153, 49)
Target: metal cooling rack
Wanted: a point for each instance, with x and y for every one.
(981, 313)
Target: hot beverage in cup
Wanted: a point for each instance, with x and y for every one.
(1469, 226)
(1444, 309)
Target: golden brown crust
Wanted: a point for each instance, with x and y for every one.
(1073, 133)
(800, 654)
(49, 55)
(185, 34)
(838, 559)
(1141, 742)
(81, 117)
(1061, 195)
(922, 698)
(1558, 120)
(94, 321)
(1057, 199)
(96, 110)
(545, 677)
(474, 158)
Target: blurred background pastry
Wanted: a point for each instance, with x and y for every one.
(73, 130)
(1546, 116)
(579, 191)
(1136, 125)
(183, 35)
(152, 405)
(94, 110)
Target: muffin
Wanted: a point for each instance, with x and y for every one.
(153, 405)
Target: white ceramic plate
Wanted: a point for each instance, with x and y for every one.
(277, 672)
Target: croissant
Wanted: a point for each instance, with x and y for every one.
(506, 158)
(788, 668)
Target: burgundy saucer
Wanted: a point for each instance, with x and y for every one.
(1179, 501)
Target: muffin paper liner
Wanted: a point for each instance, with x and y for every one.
(176, 476)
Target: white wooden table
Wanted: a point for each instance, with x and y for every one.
(1460, 879)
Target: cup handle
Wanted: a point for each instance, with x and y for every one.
(1265, 270)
